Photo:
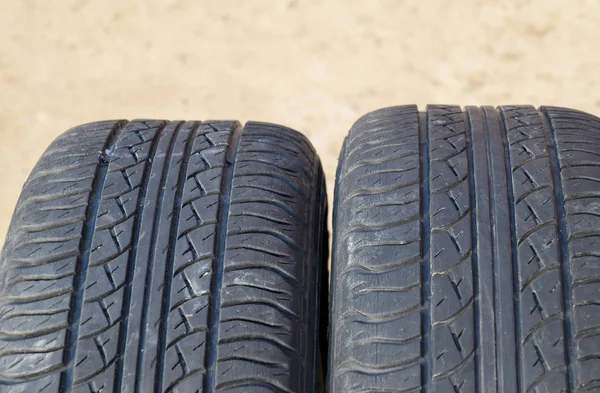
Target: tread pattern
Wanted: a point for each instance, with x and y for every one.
(263, 341)
(182, 259)
(453, 305)
(539, 286)
(575, 142)
(379, 244)
(486, 280)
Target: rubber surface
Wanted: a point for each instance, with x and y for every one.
(153, 256)
(467, 252)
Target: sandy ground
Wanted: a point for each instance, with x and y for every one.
(313, 65)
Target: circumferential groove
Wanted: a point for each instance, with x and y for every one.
(563, 246)
(426, 373)
(474, 242)
(168, 278)
(85, 245)
(152, 253)
(219, 260)
(514, 253)
(129, 275)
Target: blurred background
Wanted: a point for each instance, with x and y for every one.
(313, 65)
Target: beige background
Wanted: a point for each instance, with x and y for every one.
(312, 65)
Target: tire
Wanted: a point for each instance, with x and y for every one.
(156, 256)
(467, 252)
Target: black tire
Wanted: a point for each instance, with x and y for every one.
(156, 256)
(467, 252)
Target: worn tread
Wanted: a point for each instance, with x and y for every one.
(499, 207)
(166, 257)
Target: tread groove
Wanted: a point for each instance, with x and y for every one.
(425, 253)
(151, 256)
(72, 335)
(514, 255)
(493, 224)
(219, 261)
(474, 241)
(168, 279)
(563, 247)
(129, 275)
